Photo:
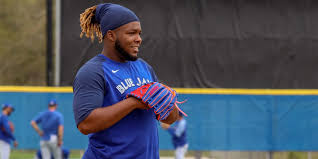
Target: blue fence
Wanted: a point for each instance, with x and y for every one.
(215, 122)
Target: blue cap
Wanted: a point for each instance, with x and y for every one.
(7, 106)
(111, 16)
(52, 102)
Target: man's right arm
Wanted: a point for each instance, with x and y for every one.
(6, 129)
(36, 128)
(90, 114)
(103, 118)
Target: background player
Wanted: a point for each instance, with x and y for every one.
(52, 131)
(6, 131)
(179, 136)
(118, 128)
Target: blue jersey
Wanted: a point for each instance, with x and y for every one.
(179, 133)
(102, 82)
(5, 131)
(49, 122)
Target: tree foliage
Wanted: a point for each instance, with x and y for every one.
(22, 42)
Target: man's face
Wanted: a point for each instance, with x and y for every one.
(128, 41)
(9, 110)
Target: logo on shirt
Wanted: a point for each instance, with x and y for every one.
(114, 71)
(127, 83)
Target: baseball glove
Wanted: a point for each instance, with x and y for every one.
(158, 96)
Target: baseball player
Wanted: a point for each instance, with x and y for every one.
(118, 125)
(65, 154)
(6, 132)
(179, 136)
(51, 132)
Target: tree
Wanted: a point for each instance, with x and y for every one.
(22, 42)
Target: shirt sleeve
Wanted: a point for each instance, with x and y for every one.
(61, 120)
(152, 72)
(38, 118)
(88, 88)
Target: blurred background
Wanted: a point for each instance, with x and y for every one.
(246, 68)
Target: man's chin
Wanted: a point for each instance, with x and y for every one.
(133, 58)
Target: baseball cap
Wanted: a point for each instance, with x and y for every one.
(6, 105)
(52, 102)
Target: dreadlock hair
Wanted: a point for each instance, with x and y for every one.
(89, 25)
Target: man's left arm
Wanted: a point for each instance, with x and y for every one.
(174, 114)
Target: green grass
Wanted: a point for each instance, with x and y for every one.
(76, 154)
(29, 154)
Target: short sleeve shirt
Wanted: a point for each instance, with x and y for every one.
(102, 82)
(49, 122)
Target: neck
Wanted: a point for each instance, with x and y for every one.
(110, 52)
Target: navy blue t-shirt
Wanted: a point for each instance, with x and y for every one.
(102, 82)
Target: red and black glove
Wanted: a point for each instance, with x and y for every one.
(158, 96)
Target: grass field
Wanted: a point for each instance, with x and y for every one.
(76, 154)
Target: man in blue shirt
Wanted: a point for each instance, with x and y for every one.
(179, 136)
(51, 132)
(117, 128)
(6, 132)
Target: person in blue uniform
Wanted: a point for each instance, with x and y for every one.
(117, 127)
(51, 130)
(179, 136)
(6, 132)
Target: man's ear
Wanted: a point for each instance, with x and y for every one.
(111, 36)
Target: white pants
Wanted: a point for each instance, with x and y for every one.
(181, 151)
(4, 150)
(50, 147)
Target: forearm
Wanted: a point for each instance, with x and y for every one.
(60, 132)
(103, 118)
(35, 127)
(173, 116)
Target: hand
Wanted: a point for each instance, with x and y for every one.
(15, 144)
(40, 133)
(165, 126)
(59, 143)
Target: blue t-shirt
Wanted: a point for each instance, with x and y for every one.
(102, 82)
(49, 122)
(179, 133)
(5, 131)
